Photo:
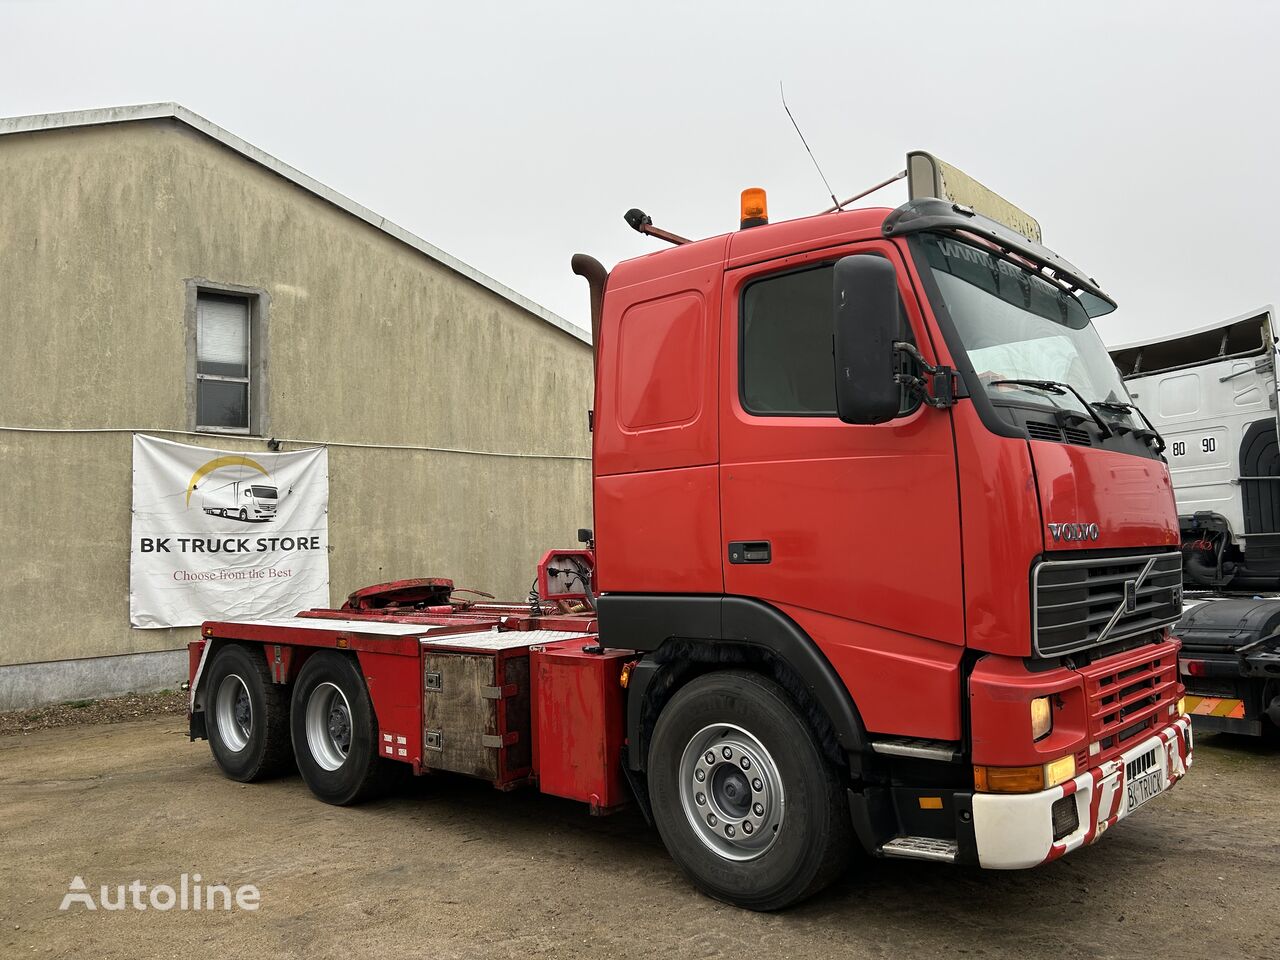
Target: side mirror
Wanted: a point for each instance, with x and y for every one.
(866, 326)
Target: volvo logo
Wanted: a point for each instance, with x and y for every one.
(1129, 603)
(1131, 596)
(1073, 532)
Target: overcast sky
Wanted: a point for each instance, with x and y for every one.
(1144, 136)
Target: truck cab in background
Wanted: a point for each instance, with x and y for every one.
(876, 468)
(1212, 393)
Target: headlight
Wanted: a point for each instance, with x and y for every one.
(1041, 718)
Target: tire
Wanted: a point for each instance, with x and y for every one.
(246, 716)
(1270, 729)
(792, 835)
(244, 514)
(335, 732)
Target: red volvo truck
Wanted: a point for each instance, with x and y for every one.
(883, 556)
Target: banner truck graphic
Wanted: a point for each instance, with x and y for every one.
(242, 499)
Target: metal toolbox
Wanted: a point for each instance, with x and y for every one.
(475, 703)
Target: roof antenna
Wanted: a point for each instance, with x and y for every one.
(831, 193)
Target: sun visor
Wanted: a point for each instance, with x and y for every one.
(927, 176)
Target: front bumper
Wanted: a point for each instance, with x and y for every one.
(1014, 831)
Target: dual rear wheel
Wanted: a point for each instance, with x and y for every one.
(745, 800)
(326, 728)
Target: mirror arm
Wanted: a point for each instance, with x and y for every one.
(939, 391)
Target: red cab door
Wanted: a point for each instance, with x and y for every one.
(853, 531)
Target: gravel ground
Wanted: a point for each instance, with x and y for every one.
(134, 706)
(452, 868)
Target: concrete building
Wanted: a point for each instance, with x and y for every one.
(454, 408)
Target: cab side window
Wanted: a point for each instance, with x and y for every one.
(787, 364)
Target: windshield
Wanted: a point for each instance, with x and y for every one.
(1018, 326)
(264, 493)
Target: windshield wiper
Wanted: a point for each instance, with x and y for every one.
(1119, 406)
(1059, 388)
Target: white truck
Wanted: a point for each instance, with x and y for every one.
(1212, 394)
(243, 499)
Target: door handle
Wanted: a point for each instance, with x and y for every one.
(750, 551)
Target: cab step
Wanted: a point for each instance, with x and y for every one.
(918, 748)
(920, 848)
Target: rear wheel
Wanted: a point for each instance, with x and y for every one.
(247, 716)
(743, 797)
(335, 732)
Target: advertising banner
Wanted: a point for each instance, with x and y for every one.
(220, 535)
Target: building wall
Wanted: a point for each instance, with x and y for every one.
(371, 343)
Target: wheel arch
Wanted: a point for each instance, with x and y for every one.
(683, 637)
(283, 672)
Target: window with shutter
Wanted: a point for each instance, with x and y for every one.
(223, 338)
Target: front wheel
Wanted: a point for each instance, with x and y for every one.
(244, 514)
(745, 801)
(335, 732)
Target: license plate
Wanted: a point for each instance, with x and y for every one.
(1144, 788)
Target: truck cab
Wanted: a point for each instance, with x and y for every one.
(882, 459)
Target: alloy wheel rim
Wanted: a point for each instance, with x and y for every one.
(234, 710)
(328, 723)
(731, 792)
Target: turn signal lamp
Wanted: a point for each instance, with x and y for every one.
(1182, 706)
(755, 208)
(1024, 779)
(1041, 718)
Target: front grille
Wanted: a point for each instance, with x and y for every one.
(1085, 603)
(1130, 696)
(1140, 765)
